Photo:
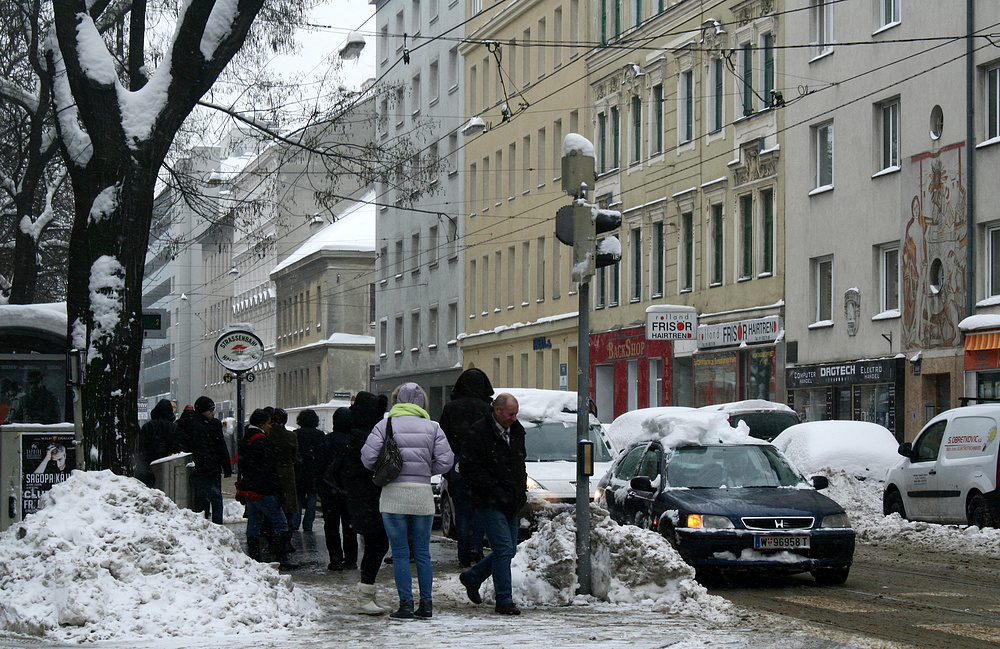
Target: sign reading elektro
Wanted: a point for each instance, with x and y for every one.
(671, 322)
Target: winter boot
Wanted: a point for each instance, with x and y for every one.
(425, 609)
(405, 611)
(254, 549)
(281, 542)
(366, 601)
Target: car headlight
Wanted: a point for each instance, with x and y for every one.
(708, 522)
(836, 520)
(533, 485)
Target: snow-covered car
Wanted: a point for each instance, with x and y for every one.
(861, 449)
(549, 420)
(950, 473)
(726, 501)
(766, 419)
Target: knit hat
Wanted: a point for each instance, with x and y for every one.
(203, 404)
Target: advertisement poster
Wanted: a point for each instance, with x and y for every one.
(46, 459)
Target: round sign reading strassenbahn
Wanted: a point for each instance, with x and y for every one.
(239, 350)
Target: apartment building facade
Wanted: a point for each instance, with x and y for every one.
(525, 75)
(419, 290)
(895, 244)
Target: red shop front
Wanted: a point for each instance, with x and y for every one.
(629, 372)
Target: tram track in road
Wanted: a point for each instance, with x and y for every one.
(906, 599)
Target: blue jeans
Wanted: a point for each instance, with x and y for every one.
(468, 527)
(501, 530)
(403, 529)
(307, 501)
(267, 507)
(207, 494)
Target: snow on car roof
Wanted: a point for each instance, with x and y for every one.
(677, 426)
(860, 448)
(538, 405)
(748, 405)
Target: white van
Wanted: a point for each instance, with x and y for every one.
(949, 473)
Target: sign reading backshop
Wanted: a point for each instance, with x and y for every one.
(880, 371)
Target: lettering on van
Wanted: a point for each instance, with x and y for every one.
(955, 444)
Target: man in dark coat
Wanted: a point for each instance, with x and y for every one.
(207, 444)
(336, 518)
(493, 462)
(309, 474)
(470, 401)
(260, 485)
(157, 438)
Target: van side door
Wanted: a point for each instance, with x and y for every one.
(964, 460)
(921, 476)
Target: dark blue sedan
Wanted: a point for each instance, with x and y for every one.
(731, 507)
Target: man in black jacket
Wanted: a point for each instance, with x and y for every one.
(470, 401)
(207, 444)
(260, 485)
(492, 461)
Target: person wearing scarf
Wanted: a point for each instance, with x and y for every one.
(407, 503)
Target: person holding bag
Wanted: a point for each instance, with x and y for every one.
(407, 502)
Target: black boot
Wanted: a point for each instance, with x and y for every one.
(425, 611)
(405, 611)
(253, 548)
(283, 542)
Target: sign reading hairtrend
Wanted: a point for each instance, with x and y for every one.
(671, 322)
(757, 330)
(239, 350)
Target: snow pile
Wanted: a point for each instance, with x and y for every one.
(862, 449)
(628, 565)
(676, 427)
(106, 557)
(537, 405)
(862, 499)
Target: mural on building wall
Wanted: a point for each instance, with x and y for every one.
(934, 249)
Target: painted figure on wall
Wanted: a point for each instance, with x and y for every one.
(934, 252)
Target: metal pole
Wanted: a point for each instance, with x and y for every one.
(239, 406)
(970, 162)
(582, 428)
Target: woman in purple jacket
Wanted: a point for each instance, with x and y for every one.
(407, 503)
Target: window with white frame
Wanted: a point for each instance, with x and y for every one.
(823, 149)
(718, 244)
(767, 231)
(432, 327)
(767, 68)
(716, 103)
(615, 138)
(657, 138)
(636, 129)
(383, 335)
(889, 131)
(415, 251)
(993, 102)
(397, 335)
(821, 15)
(433, 245)
(541, 62)
(822, 270)
(540, 270)
(656, 261)
(601, 288)
(511, 272)
(415, 17)
(415, 341)
(472, 286)
(602, 142)
(525, 273)
(557, 37)
(615, 283)
(452, 331)
(687, 251)
(636, 13)
(543, 150)
(746, 236)
(526, 164)
(453, 60)
(889, 277)
(499, 281)
(746, 81)
(635, 282)
(557, 264)
(399, 258)
(993, 261)
(889, 12)
(433, 83)
(686, 127)
(383, 263)
(484, 290)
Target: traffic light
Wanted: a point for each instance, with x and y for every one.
(578, 225)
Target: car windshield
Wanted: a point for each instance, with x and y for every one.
(711, 467)
(555, 441)
(765, 425)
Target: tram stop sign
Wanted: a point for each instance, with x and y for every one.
(239, 350)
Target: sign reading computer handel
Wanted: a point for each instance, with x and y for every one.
(239, 350)
(671, 322)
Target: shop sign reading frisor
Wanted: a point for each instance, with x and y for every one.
(239, 350)
(757, 330)
(670, 322)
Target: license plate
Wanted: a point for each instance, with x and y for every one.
(781, 542)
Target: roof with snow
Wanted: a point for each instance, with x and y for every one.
(354, 230)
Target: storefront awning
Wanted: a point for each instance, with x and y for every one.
(979, 342)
